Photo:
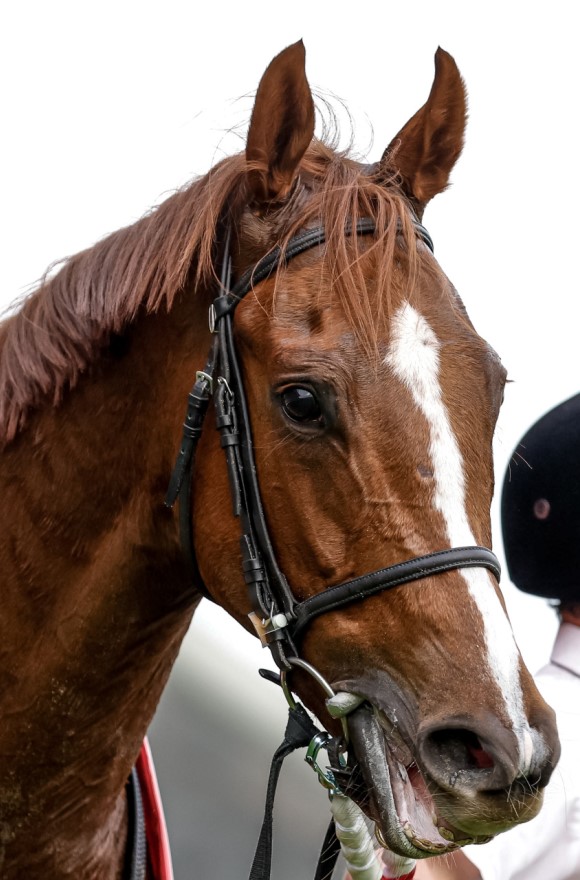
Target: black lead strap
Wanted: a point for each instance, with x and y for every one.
(299, 732)
(329, 854)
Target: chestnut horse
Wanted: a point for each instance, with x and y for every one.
(372, 402)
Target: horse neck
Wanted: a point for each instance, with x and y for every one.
(96, 598)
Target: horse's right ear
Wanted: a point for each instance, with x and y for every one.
(281, 128)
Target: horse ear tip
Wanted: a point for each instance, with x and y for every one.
(444, 61)
(294, 53)
(442, 55)
(298, 47)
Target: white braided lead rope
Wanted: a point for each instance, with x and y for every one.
(356, 844)
(355, 841)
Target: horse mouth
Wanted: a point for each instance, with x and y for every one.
(399, 800)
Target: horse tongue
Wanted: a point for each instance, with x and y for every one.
(402, 805)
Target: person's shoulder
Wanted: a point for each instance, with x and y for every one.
(557, 680)
(561, 690)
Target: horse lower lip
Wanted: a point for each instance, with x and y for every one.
(405, 811)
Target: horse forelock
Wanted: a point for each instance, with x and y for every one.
(336, 192)
(61, 328)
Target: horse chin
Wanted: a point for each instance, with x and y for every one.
(399, 799)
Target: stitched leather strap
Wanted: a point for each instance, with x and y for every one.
(302, 242)
(394, 576)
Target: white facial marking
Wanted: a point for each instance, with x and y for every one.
(528, 743)
(414, 358)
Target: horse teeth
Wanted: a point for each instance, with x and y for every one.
(446, 834)
(423, 843)
(429, 845)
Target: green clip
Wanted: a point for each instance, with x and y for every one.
(325, 777)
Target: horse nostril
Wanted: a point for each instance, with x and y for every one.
(469, 755)
(457, 750)
(479, 756)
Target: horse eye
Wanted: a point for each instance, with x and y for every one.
(301, 405)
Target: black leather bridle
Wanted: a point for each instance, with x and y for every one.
(279, 618)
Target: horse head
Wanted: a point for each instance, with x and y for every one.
(373, 403)
(356, 407)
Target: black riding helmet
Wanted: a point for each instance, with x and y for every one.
(540, 506)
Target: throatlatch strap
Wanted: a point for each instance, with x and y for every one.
(299, 732)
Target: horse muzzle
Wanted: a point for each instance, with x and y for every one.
(448, 785)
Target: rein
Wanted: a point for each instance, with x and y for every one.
(278, 617)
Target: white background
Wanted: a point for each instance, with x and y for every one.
(109, 106)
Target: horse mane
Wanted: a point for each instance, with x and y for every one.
(62, 327)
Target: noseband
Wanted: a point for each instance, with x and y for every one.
(278, 617)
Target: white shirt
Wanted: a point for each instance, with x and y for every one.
(548, 847)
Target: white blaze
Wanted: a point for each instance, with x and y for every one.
(414, 358)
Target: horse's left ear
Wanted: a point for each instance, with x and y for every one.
(282, 126)
(427, 147)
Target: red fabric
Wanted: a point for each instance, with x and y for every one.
(158, 852)
(408, 876)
